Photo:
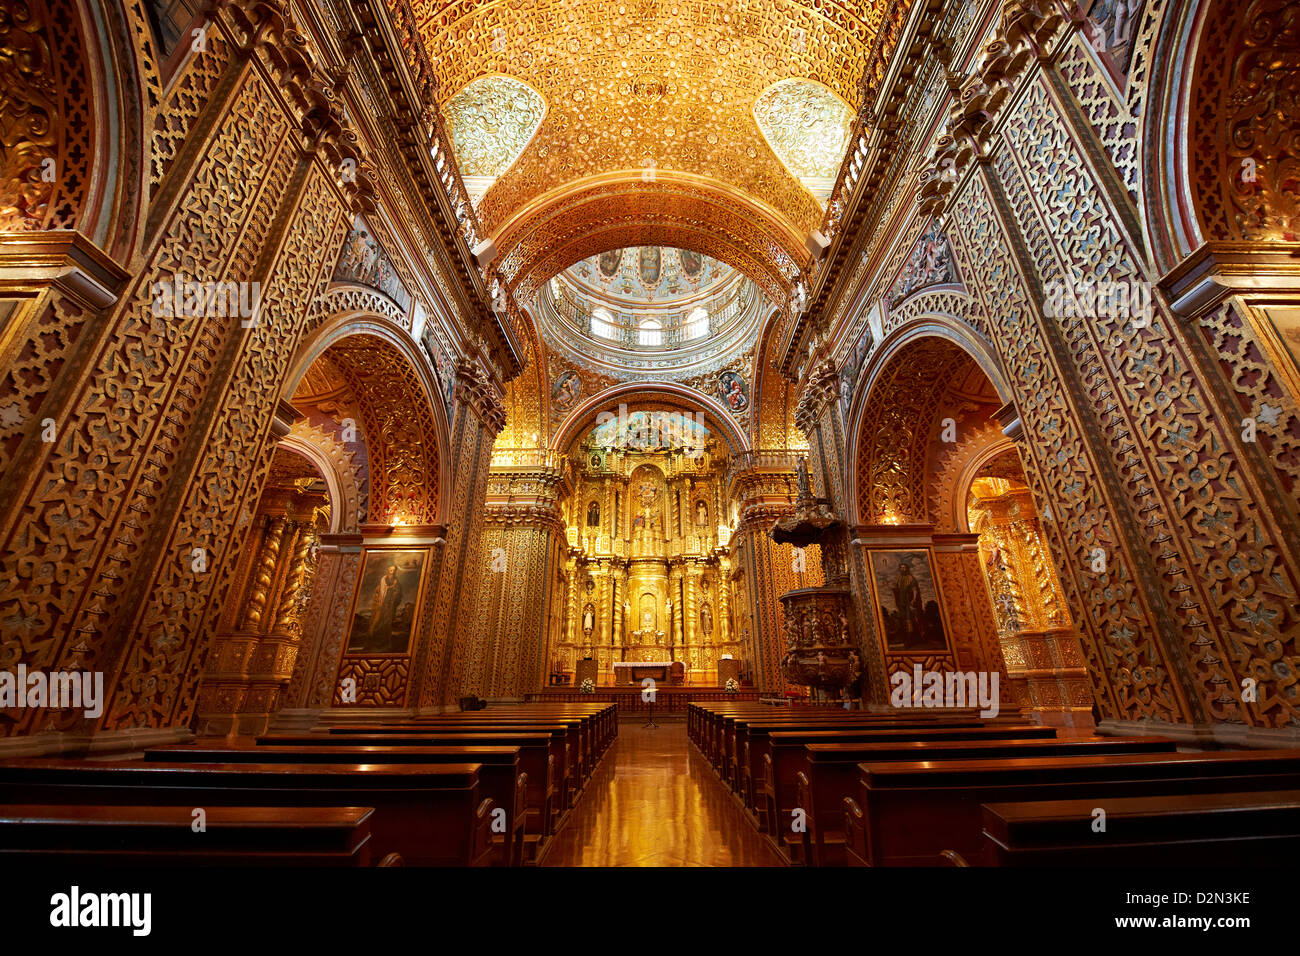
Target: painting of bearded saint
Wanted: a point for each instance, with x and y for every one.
(692, 263)
(910, 616)
(383, 616)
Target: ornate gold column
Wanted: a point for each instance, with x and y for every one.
(268, 559)
(763, 483)
(445, 650)
(523, 520)
(1039, 643)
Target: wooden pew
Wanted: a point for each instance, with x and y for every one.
(430, 814)
(164, 836)
(741, 731)
(1206, 829)
(565, 747)
(763, 776)
(499, 776)
(830, 772)
(908, 812)
(536, 763)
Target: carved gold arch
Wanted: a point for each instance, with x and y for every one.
(337, 466)
(673, 210)
(639, 396)
(896, 413)
(404, 421)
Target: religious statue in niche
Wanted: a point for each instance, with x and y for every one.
(701, 514)
(648, 616)
(593, 515)
(647, 519)
(706, 618)
(588, 619)
(733, 391)
(566, 391)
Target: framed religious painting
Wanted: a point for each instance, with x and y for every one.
(386, 604)
(908, 611)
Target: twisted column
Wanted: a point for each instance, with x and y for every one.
(264, 575)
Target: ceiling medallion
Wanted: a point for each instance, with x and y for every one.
(649, 89)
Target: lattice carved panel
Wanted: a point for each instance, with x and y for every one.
(1129, 673)
(1245, 107)
(123, 429)
(49, 142)
(233, 465)
(1225, 575)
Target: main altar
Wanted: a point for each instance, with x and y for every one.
(648, 568)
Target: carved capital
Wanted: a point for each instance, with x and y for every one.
(823, 389)
(480, 394)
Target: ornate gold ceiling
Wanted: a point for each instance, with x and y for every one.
(644, 97)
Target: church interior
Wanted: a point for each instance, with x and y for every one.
(781, 433)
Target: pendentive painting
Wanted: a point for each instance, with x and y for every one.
(383, 616)
(908, 604)
(1111, 27)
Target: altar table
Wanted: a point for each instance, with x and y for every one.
(631, 672)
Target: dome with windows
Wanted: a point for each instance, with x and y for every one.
(651, 308)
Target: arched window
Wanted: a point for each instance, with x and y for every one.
(602, 324)
(697, 324)
(650, 333)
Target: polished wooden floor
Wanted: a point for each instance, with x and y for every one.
(655, 802)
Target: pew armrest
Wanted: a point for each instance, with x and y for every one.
(481, 848)
(855, 830)
(393, 859)
(953, 858)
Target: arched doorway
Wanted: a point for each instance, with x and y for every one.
(351, 507)
(944, 507)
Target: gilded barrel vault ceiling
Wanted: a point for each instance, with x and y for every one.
(650, 93)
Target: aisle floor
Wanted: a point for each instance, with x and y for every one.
(655, 802)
